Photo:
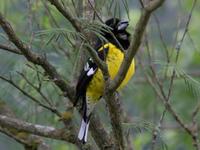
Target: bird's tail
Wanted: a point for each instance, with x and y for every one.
(83, 132)
(87, 109)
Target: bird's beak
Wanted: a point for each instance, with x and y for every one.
(122, 25)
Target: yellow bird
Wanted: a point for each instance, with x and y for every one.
(91, 83)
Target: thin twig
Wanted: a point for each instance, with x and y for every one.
(95, 11)
(30, 96)
(16, 138)
(38, 89)
(195, 112)
(160, 92)
(66, 14)
(50, 14)
(141, 3)
(162, 38)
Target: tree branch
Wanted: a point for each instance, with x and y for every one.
(153, 5)
(101, 64)
(97, 128)
(10, 49)
(45, 131)
(28, 140)
(115, 113)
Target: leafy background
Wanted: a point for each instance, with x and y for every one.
(57, 41)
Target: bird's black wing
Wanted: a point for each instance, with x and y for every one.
(87, 73)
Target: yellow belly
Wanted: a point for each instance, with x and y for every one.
(114, 59)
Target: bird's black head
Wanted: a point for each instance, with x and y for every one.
(119, 34)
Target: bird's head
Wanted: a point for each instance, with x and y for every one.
(119, 34)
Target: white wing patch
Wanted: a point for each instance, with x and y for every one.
(91, 72)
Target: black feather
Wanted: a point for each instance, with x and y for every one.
(113, 23)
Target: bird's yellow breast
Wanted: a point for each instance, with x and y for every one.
(114, 59)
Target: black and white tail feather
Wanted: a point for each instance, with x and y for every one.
(83, 132)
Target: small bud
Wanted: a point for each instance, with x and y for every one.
(66, 115)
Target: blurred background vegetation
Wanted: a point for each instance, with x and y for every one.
(42, 27)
